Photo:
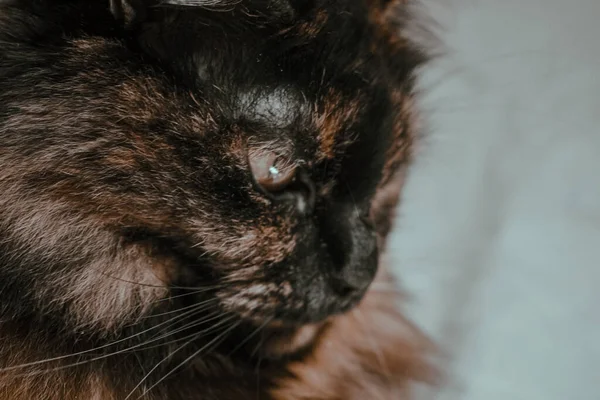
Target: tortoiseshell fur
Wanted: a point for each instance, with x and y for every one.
(130, 223)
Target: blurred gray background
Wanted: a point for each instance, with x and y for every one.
(498, 239)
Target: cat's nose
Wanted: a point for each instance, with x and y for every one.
(355, 276)
(352, 245)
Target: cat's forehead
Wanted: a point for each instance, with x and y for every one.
(278, 107)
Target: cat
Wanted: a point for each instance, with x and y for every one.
(195, 196)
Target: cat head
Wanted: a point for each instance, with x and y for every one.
(220, 152)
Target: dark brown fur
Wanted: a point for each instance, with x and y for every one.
(130, 222)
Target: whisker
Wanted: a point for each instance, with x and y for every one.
(257, 330)
(156, 367)
(205, 302)
(166, 285)
(139, 346)
(116, 278)
(258, 377)
(193, 291)
(34, 363)
(194, 355)
(257, 347)
(169, 298)
(201, 288)
(210, 317)
(195, 334)
(194, 337)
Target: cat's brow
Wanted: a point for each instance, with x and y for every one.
(279, 108)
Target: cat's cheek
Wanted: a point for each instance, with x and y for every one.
(111, 292)
(241, 249)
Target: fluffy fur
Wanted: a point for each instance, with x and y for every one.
(140, 255)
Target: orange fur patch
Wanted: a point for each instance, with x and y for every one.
(337, 114)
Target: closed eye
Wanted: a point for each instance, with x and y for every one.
(270, 172)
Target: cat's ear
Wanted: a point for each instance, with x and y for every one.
(285, 9)
(129, 12)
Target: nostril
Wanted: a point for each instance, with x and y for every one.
(356, 275)
(352, 247)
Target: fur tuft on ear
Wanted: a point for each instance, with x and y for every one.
(132, 13)
(199, 3)
(279, 7)
(129, 12)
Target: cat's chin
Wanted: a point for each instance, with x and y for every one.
(290, 322)
(287, 338)
(286, 341)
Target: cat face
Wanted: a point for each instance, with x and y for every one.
(237, 165)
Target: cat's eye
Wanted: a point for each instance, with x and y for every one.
(282, 179)
(271, 172)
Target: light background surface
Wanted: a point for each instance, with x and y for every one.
(498, 239)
